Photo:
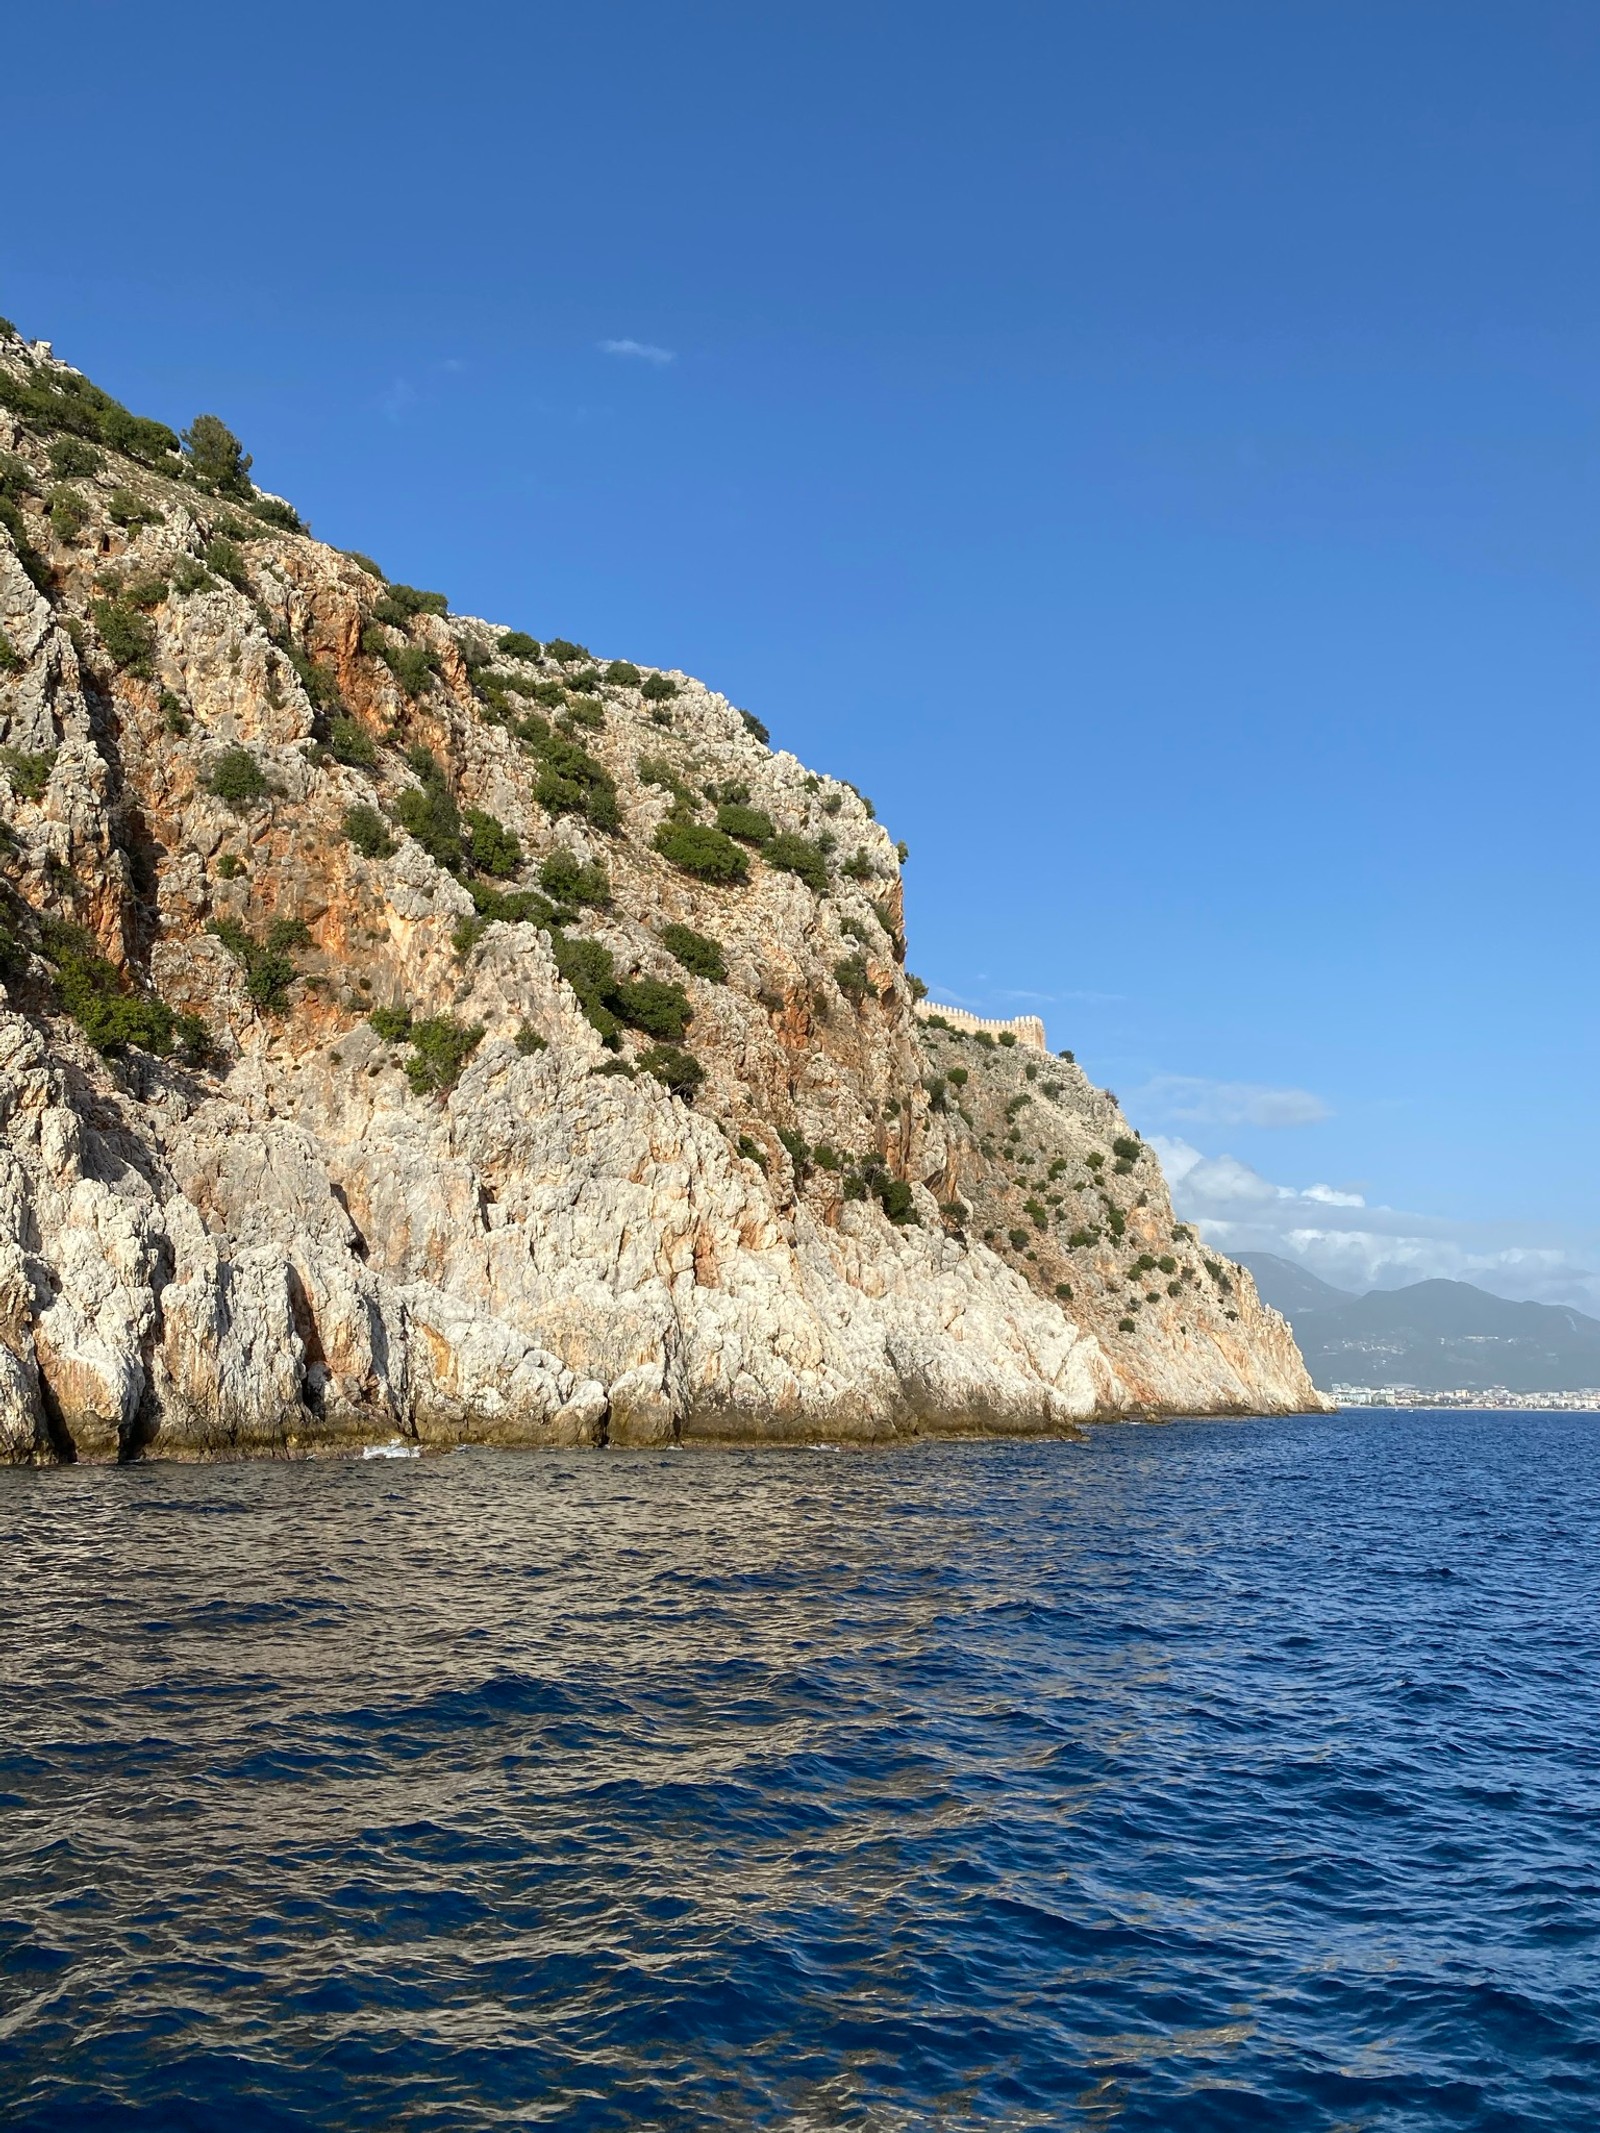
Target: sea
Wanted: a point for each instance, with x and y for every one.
(1196, 1776)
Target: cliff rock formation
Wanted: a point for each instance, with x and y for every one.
(412, 1029)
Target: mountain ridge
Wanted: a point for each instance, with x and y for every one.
(1434, 1335)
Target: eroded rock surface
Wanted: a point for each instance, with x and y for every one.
(237, 1216)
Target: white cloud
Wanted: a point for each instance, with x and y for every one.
(1357, 1246)
(400, 396)
(643, 351)
(1191, 1101)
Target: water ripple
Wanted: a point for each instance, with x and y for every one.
(1211, 1777)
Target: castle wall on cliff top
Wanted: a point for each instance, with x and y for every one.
(1027, 1029)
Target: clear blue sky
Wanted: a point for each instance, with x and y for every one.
(1151, 447)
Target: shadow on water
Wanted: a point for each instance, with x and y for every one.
(1214, 1776)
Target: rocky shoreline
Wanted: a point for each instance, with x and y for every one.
(414, 1028)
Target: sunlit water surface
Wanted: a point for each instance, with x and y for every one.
(1210, 1776)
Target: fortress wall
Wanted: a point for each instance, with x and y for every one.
(1027, 1029)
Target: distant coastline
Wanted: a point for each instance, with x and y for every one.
(1490, 1397)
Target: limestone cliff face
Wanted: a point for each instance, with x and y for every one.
(305, 1138)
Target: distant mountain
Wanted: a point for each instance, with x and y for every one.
(1288, 1288)
(1440, 1336)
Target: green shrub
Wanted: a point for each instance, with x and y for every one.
(430, 815)
(587, 711)
(587, 966)
(275, 512)
(192, 1038)
(858, 867)
(571, 782)
(69, 514)
(752, 1151)
(587, 681)
(364, 562)
(29, 774)
(226, 558)
(548, 693)
(895, 1198)
(697, 952)
(659, 688)
(958, 1075)
(513, 907)
(1116, 1221)
(369, 833)
(517, 644)
(564, 651)
(397, 604)
(230, 866)
(575, 881)
(1129, 1151)
(70, 456)
(1094, 1159)
(751, 825)
(753, 725)
(622, 674)
(466, 934)
(216, 458)
(1019, 1239)
(10, 657)
(125, 508)
(678, 1070)
(529, 1041)
(440, 1049)
(190, 576)
(1082, 1237)
(658, 1008)
(492, 848)
(1035, 1213)
(797, 855)
(393, 1024)
(656, 770)
(28, 556)
(269, 971)
(144, 592)
(16, 477)
(352, 744)
(137, 435)
(237, 779)
(850, 975)
(412, 665)
(704, 852)
(93, 994)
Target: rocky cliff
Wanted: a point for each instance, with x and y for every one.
(415, 1029)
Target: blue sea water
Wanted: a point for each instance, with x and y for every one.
(1216, 1775)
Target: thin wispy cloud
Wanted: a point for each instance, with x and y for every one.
(400, 397)
(640, 351)
(1189, 1100)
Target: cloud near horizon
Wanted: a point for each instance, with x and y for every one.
(641, 351)
(1337, 1235)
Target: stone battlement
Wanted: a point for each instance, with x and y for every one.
(1027, 1029)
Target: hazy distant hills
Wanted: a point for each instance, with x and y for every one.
(1437, 1335)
